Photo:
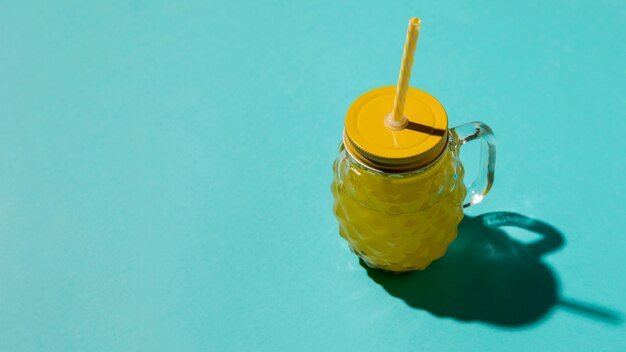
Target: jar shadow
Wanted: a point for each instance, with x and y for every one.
(489, 277)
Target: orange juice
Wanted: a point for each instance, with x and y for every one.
(399, 222)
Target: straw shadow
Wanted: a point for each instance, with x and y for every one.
(487, 276)
(414, 126)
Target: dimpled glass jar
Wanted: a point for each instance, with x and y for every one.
(402, 221)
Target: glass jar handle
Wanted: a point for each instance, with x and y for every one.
(482, 184)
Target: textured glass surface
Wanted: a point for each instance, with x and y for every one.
(399, 221)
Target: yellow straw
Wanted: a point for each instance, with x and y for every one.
(398, 121)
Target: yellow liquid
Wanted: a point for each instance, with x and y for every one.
(399, 221)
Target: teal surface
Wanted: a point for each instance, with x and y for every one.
(165, 173)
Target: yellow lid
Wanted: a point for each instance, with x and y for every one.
(373, 143)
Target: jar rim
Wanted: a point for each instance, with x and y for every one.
(382, 170)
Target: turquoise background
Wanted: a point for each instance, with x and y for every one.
(165, 172)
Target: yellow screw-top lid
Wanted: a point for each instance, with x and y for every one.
(373, 143)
